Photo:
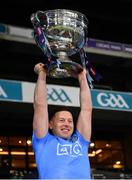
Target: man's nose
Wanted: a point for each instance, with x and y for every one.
(66, 123)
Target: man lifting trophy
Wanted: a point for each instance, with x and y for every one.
(61, 33)
(60, 145)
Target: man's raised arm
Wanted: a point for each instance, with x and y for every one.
(40, 119)
(85, 116)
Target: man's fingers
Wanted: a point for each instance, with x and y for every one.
(39, 67)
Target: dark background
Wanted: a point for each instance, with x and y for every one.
(108, 20)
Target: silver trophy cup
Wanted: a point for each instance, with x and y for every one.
(60, 33)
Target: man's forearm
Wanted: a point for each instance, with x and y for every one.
(40, 94)
(85, 93)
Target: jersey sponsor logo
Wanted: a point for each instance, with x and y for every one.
(61, 95)
(73, 150)
(112, 100)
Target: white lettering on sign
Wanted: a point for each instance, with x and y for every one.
(111, 100)
(3, 93)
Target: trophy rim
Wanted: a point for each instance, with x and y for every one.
(66, 10)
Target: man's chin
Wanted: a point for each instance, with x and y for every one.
(65, 136)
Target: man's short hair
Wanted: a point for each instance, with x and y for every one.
(54, 110)
(73, 110)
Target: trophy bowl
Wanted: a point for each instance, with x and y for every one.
(64, 32)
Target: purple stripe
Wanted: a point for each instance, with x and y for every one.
(107, 45)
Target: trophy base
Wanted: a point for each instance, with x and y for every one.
(64, 70)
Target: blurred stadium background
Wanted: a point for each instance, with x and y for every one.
(109, 48)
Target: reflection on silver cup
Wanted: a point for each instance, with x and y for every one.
(60, 33)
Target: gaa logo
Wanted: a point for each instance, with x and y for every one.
(111, 100)
(59, 94)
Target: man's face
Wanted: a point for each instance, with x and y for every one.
(62, 124)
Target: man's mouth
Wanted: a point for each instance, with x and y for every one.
(65, 130)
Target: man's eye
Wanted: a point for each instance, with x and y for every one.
(70, 121)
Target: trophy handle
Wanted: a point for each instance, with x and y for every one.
(39, 19)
